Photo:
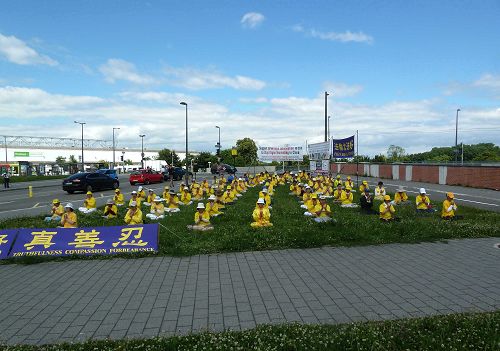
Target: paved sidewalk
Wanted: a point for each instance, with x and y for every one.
(77, 300)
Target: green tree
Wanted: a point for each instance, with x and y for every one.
(380, 158)
(128, 162)
(60, 160)
(247, 151)
(395, 153)
(167, 155)
(203, 159)
(72, 159)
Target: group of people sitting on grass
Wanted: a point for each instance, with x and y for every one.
(314, 191)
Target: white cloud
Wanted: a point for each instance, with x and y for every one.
(252, 20)
(117, 69)
(195, 79)
(488, 81)
(414, 125)
(341, 90)
(17, 51)
(343, 37)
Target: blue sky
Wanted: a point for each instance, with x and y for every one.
(397, 71)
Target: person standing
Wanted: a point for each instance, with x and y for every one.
(6, 179)
(171, 175)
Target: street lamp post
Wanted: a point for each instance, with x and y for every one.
(329, 127)
(5, 141)
(187, 172)
(218, 145)
(114, 147)
(456, 137)
(326, 113)
(142, 150)
(83, 163)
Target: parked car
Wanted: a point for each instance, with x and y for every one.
(225, 168)
(89, 182)
(179, 173)
(145, 177)
(111, 172)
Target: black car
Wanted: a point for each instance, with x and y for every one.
(89, 182)
(179, 173)
(224, 168)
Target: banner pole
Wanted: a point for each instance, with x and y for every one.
(357, 160)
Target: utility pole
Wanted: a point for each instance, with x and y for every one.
(83, 163)
(456, 137)
(142, 150)
(326, 116)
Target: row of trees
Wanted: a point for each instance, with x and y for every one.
(486, 152)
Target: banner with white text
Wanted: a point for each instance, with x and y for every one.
(280, 153)
(343, 148)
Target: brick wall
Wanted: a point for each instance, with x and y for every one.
(477, 177)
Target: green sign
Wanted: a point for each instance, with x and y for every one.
(21, 153)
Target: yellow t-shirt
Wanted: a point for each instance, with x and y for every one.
(387, 215)
(113, 209)
(136, 218)
(185, 197)
(446, 206)
(157, 208)
(118, 199)
(69, 216)
(203, 220)
(137, 200)
(89, 202)
(424, 199)
(261, 216)
(58, 211)
(400, 197)
(346, 198)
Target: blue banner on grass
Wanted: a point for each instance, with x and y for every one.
(86, 241)
(7, 237)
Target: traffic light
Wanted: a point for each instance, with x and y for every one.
(121, 158)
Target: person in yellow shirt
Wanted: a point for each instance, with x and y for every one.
(196, 192)
(56, 211)
(386, 210)
(261, 215)
(267, 198)
(110, 210)
(89, 205)
(380, 191)
(166, 194)
(449, 208)
(337, 194)
(141, 194)
(337, 181)
(118, 198)
(201, 219)
(172, 202)
(347, 198)
(151, 197)
(69, 218)
(400, 198)
(328, 191)
(157, 210)
(349, 183)
(423, 202)
(205, 187)
(212, 206)
(134, 214)
(306, 198)
(228, 196)
(324, 214)
(364, 185)
(293, 187)
(186, 197)
(135, 199)
(313, 207)
(219, 194)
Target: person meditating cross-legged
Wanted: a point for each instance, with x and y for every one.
(261, 215)
(201, 219)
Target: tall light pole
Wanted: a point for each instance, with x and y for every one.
(456, 137)
(5, 140)
(114, 147)
(142, 149)
(326, 113)
(187, 172)
(329, 127)
(218, 145)
(83, 163)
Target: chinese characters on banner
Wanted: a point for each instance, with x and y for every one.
(84, 241)
(343, 148)
(279, 153)
(7, 237)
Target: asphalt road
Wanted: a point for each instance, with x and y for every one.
(16, 203)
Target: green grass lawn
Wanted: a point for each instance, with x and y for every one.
(292, 229)
(479, 331)
(21, 179)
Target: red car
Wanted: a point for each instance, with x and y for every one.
(145, 177)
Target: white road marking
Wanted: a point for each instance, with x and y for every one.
(36, 205)
(7, 202)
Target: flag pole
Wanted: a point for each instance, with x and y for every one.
(357, 160)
